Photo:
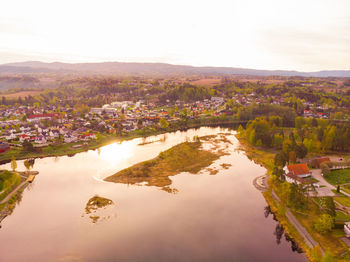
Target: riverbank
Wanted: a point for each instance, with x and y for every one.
(12, 195)
(302, 229)
(106, 139)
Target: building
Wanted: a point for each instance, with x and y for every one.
(4, 147)
(39, 117)
(347, 229)
(217, 99)
(296, 173)
(316, 163)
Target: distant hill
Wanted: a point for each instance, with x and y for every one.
(120, 68)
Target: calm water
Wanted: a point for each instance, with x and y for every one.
(218, 217)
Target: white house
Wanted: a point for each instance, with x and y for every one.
(296, 173)
(40, 139)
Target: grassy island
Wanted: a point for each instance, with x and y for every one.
(184, 157)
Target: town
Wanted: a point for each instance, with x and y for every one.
(46, 123)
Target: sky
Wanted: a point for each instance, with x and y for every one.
(304, 35)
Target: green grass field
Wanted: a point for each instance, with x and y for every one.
(338, 177)
(8, 179)
(342, 216)
(345, 201)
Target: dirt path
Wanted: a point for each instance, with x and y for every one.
(302, 231)
(7, 198)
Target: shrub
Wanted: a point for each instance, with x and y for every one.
(324, 224)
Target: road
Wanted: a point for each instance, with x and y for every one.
(316, 173)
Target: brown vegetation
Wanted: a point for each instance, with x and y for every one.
(22, 94)
(185, 157)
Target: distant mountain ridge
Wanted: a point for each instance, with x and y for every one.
(125, 68)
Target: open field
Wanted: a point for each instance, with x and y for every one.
(207, 82)
(338, 177)
(21, 94)
(345, 201)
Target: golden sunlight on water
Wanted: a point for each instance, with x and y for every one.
(212, 217)
(117, 152)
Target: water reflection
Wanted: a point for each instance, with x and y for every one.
(212, 218)
(279, 232)
(96, 208)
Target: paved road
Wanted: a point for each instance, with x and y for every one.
(316, 173)
(302, 231)
(7, 198)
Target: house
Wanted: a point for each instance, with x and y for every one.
(38, 117)
(296, 173)
(88, 136)
(69, 138)
(316, 163)
(40, 139)
(54, 133)
(218, 100)
(4, 147)
(11, 136)
(24, 137)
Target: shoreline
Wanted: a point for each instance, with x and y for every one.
(9, 202)
(107, 140)
(263, 158)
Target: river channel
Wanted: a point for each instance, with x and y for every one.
(207, 217)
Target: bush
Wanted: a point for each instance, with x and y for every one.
(325, 169)
(324, 224)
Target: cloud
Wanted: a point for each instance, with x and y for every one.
(313, 48)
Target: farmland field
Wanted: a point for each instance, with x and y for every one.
(21, 94)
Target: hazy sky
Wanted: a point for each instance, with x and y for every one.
(264, 34)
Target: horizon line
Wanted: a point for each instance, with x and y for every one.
(168, 63)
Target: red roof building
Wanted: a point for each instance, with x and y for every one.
(316, 163)
(300, 170)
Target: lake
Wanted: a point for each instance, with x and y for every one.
(220, 217)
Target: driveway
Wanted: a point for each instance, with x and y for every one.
(327, 189)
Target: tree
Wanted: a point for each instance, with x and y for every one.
(184, 113)
(277, 140)
(325, 169)
(280, 159)
(276, 120)
(287, 146)
(296, 197)
(13, 164)
(301, 150)
(299, 122)
(28, 165)
(327, 257)
(292, 157)
(324, 224)
(240, 130)
(163, 123)
(27, 146)
(328, 206)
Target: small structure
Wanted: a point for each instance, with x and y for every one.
(4, 147)
(347, 229)
(30, 178)
(296, 173)
(316, 163)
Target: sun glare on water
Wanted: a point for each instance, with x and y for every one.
(116, 152)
